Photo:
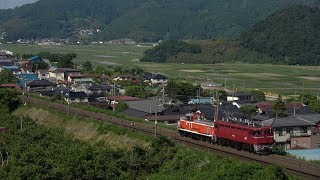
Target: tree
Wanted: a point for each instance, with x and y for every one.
(182, 91)
(6, 77)
(9, 99)
(258, 95)
(121, 106)
(39, 65)
(167, 49)
(138, 91)
(249, 110)
(66, 61)
(136, 71)
(87, 67)
(279, 108)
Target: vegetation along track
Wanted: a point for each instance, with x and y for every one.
(296, 167)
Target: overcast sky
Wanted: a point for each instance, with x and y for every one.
(5, 4)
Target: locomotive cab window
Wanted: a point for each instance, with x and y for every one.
(256, 133)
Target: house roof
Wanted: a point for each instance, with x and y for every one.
(75, 95)
(100, 87)
(123, 98)
(64, 70)
(10, 67)
(163, 117)
(123, 76)
(83, 80)
(9, 86)
(27, 77)
(145, 105)
(239, 93)
(286, 122)
(203, 100)
(42, 82)
(226, 109)
(159, 77)
(313, 118)
(150, 76)
(6, 62)
(77, 75)
(135, 113)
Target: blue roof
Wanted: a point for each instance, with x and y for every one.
(208, 100)
(308, 154)
(10, 67)
(35, 59)
(28, 77)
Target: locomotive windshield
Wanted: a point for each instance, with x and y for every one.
(256, 133)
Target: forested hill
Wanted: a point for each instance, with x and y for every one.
(141, 20)
(291, 35)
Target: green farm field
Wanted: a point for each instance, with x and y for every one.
(269, 78)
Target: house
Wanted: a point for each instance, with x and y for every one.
(166, 119)
(99, 88)
(25, 65)
(40, 84)
(76, 97)
(124, 78)
(10, 86)
(62, 73)
(43, 74)
(6, 62)
(312, 118)
(288, 130)
(73, 77)
(12, 69)
(239, 96)
(60, 91)
(155, 78)
(83, 81)
(35, 59)
(143, 107)
(23, 79)
(6, 54)
(202, 100)
(265, 109)
(122, 98)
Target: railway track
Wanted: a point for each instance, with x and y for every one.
(292, 166)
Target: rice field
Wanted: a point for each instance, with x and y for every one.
(270, 78)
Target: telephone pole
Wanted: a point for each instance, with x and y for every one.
(155, 117)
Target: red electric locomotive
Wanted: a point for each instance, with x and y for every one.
(241, 134)
(244, 135)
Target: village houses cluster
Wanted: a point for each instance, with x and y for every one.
(299, 130)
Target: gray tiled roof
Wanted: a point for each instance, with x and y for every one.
(135, 113)
(313, 118)
(147, 105)
(286, 122)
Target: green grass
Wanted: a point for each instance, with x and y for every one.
(269, 78)
(119, 54)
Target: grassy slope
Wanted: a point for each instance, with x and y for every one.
(86, 130)
(273, 78)
(185, 162)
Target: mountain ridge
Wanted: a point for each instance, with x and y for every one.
(141, 20)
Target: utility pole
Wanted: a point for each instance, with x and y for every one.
(155, 118)
(225, 84)
(20, 123)
(114, 95)
(68, 99)
(162, 95)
